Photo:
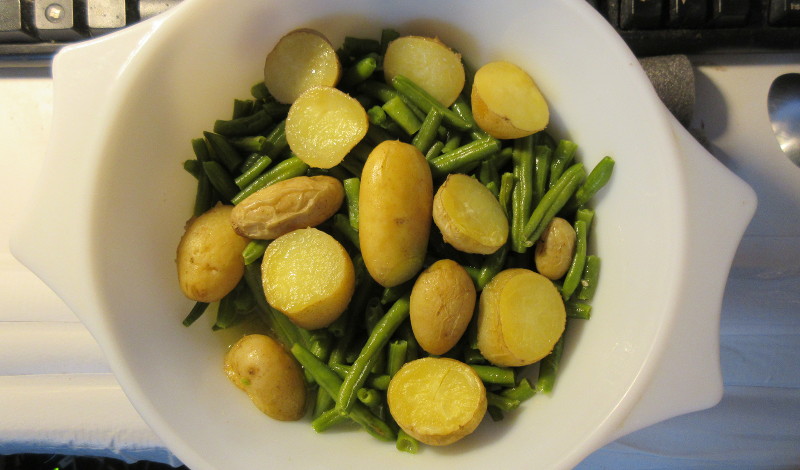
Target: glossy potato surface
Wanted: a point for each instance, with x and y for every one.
(429, 63)
(302, 59)
(209, 256)
(269, 375)
(555, 249)
(395, 201)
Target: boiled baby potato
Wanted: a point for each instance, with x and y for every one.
(302, 59)
(442, 302)
(429, 63)
(209, 257)
(308, 276)
(323, 125)
(395, 200)
(555, 249)
(269, 375)
(438, 401)
(506, 103)
(521, 316)
(299, 202)
(469, 215)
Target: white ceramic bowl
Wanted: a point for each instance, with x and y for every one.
(113, 199)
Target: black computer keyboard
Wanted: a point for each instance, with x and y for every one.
(31, 31)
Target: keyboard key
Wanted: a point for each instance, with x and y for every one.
(13, 28)
(56, 20)
(729, 13)
(687, 13)
(784, 12)
(640, 14)
(104, 16)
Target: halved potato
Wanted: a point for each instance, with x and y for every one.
(269, 375)
(506, 102)
(555, 249)
(429, 63)
(323, 125)
(436, 400)
(521, 316)
(302, 59)
(469, 215)
(308, 276)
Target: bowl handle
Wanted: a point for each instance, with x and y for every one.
(689, 377)
(84, 79)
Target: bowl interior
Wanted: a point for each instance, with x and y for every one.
(186, 74)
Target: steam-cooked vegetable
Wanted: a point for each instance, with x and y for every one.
(506, 102)
(308, 276)
(269, 375)
(302, 59)
(429, 63)
(555, 249)
(299, 202)
(395, 201)
(437, 400)
(209, 256)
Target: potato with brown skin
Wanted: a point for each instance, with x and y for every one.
(269, 375)
(438, 401)
(302, 59)
(469, 215)
(441, 306)
(395, 202)
(209, 256)
(308, 276)
(299, 202)
(323, 125)
(506, 102)
(429, 63)
(521, 316)
(555, 249)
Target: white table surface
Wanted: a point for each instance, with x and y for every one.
(57, 394)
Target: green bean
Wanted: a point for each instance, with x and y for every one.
(276, 140)
(351, 190)
(358, 47)
(259, 91)
(375, 381)
(474, 151)
(573, 276)
(254, 250)
(406, 443)
(597, 178)
(378, 338)
(352, 165)
(541, 171)
(253, 171)
(562, 158)
(463, 109)
(322, 403)
(341, 224)
(521, 392)
(377, 116)
(474, 356)
(377, 134)
(275, 110)
(554, 199)
(248, 125)
(452, 143)
(591, 274)
(387, 35)
(194, 167)
(233, 307)
(587, 216)
(522, 195)
(196, 312)
(548, 368)
(579, 310)
(221, 180)
(391, 294)
(425, 102)
(369, 397)
(397, 356)
(250, 143)
(284, 329)
(501, 402)
(332, 384)
(378, 90)
(327, 419)
(492, 265)
(223, 151)
(205, 197)
(434, 151)
(401, 114)
(495, 375)
(284, 170)
(506, 189)
(427, 133)
(242, 108)
(358, 72)
(489, 177)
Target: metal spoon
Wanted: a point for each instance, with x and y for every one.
(783, 105)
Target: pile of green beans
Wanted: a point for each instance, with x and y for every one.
(350, 363)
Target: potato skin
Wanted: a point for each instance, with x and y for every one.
(209, 256)
(395, 202)
(555, 249)
(269, 375)
(299, 202)
(442, 302)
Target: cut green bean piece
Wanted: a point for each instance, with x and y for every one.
(254, 250)
(250, 143)
(223, 151)
(462, 107)
(562, 158)
(194, 167)
(591, 275)
(247, 125)
(351, 190)
(579, 310)
(221, 180)
(276, 140)
(597, 178)
(472, 152)
(369, 397)
(522, 196)
(260, 165)
(327, 419)
(397, 356)
(521, 392)
(378, 90)
(205, 197)
(195, 313)
(548, 368)
(495, 375)
(506, 189)
(554, 199)
(575, 272)
(284, 170)
(491, 266)
(501, 402)
(358, 72)
(242, 108)
(341, 224)
(541, 171)
(434, 151)
(424, 101)
(259, 91)
(428, 131)
(406, 443)
(396, 109)
(378, 338)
